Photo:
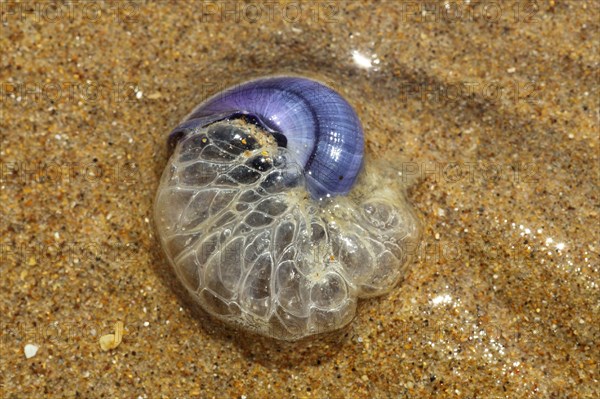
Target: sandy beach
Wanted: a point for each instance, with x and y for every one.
(490, 109)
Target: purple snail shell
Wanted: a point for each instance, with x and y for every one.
(268, 215)
(308, 118)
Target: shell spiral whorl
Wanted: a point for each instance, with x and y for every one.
(242, 233)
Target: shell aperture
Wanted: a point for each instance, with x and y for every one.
(244, 217)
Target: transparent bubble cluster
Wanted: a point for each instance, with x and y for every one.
(255, 250)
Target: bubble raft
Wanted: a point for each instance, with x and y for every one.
(255, 250)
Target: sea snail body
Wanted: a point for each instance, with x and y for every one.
(268, 215)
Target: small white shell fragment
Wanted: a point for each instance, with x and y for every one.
(111, 341)
(30, 350)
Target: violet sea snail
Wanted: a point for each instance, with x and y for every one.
(269, 215)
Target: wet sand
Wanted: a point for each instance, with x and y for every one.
(492, 110)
